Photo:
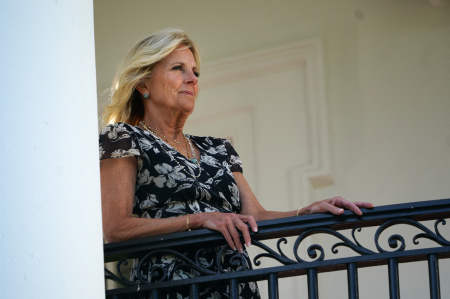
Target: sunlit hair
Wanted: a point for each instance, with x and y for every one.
(126, 103)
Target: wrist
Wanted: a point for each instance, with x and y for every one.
(187, 223)
(195, 221)
(303, 211)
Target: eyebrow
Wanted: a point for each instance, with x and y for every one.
(182, 63)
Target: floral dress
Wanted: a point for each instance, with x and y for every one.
(167, 186)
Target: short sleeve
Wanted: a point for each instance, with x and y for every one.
(117, 141)
(233, 160)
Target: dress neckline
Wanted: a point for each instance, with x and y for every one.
(148, 134)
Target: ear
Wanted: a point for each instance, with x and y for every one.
(142, 88)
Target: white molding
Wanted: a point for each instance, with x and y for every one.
(316, 173)
(307, 55)
(257, 63)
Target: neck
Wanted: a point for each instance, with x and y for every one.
(170, 128)
(166, 120)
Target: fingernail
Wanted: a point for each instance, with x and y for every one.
(249, 244)
(234, 248)
(341, 210)
(255, 229)
(241, 250)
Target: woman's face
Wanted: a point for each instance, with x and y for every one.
(174, 80)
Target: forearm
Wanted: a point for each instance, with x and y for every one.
(267, 215)
(133, 228)
(262, 214)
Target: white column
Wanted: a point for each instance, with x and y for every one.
(50, 217)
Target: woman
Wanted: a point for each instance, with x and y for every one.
(152, 173)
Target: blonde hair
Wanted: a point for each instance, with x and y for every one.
(126, 103)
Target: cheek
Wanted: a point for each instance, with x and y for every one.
(174, 83)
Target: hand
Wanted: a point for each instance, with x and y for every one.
(335, 206)
(226, 223)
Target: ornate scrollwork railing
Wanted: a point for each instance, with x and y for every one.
(354, 245)
(302, 227)
(160, 273)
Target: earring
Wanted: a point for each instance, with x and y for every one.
(145, 96)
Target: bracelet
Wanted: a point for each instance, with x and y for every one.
(187, 222)
(298, 211)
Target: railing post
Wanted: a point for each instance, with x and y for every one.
(433, 271)
(234, 289)
(313, 288)
(394, 285)
(154, 294)
(352, 281)
(194, 291)
(273, 286)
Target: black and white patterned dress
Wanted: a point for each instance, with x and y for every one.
(164, 189)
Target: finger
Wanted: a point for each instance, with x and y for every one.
(244, 229)
(219, 224)
(351, 206)
(342, 202)
(228, 238)
(328, 205)
(354, 206)
(366, 205)
(251, 221)
(332, 208)
(234, 234)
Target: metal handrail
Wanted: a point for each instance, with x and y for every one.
(302, 227)
(277, 228)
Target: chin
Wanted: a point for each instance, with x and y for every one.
(188, 106)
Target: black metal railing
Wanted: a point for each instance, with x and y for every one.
(383, 217)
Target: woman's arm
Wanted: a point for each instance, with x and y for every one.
(118, 179)
(251, 205)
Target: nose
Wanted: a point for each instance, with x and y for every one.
(191, 78)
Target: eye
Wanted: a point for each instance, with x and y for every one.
(177, 68)
(197, 74)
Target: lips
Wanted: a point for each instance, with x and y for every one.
(190, 93)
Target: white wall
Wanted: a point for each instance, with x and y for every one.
(390, 104)
(390, 119)
(50, 233)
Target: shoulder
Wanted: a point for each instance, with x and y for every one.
(117, 128)
(208, 141)
(118, 141)
(214, 145)
(119, 131)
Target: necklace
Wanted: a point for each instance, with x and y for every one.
(187, 141)
(142, 123)
(194, 159)
(162, 136)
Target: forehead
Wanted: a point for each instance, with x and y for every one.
(180, 54)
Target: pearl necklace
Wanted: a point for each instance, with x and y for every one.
(187, 141)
